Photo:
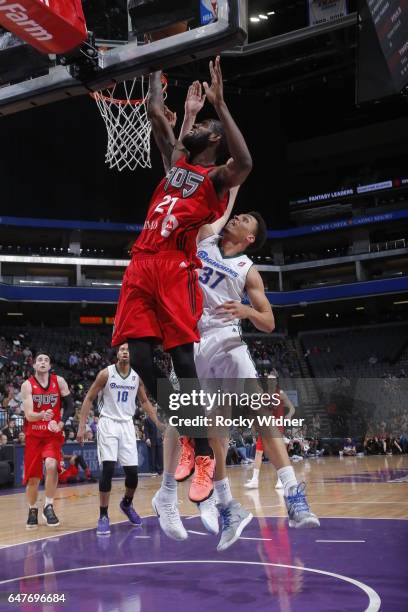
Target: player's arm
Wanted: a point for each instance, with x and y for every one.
(236, 172)
(68, 407)
(215, 228)
(288, 404)
(259, 312)
(97, 386)
(28, 405)
(161, 128)
(194, 103)
(171, 117)
(147, 407)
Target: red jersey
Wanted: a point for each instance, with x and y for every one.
(184, 201)
(43, 399)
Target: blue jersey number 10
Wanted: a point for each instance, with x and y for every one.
(123, 396)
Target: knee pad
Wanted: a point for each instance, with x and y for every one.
(105, 480)
(131, 474)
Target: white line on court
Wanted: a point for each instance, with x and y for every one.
(341, 541)
(374, 600)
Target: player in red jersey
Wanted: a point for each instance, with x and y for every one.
(44, 395)
(70, 474)
(160, 299)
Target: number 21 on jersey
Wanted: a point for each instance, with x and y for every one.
(169, 222)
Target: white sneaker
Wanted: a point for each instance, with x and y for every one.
(252, 484)
(209, 515)
(169, 518)
(279, 484)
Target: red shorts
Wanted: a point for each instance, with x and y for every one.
(160, 298)
(36, 450)
(71, 472)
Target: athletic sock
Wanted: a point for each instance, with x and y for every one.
(127, 500)
(255, 475)
(287, 477)
(203, 448)
(48, 500)
(222, 491)
(168, 488)
(33, 505)
(103, 511)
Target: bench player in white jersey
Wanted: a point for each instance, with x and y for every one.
(227, 275)
(118, 386)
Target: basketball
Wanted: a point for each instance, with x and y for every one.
(171, 30)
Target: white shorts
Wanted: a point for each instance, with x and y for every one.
(117, 441)
(221, 353)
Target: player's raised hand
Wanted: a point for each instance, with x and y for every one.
(233, 310)
(170, 116)
(215, 92)
(194, 100)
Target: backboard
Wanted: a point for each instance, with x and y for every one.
(119, 27)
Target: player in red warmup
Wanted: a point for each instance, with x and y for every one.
(160, 299)
(70, 474)
(44, 395)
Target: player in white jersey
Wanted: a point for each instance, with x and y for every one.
(118, 386)
(226, 277)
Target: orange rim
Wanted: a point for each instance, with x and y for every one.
(98, 95)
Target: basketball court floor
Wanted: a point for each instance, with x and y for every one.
(357, 560)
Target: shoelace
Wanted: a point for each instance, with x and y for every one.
(298, 500)
(171, 513)
(185, 455)
(226, 517)
(201, 474)
(133, 512)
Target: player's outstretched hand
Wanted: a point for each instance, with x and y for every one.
(195, 99)
(170, 116)
(233, 310)
(81, 435)
(215, 92)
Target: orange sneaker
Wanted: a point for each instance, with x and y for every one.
(186, 464)
(202, 485)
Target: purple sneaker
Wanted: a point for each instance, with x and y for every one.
(103, 528)
(131, 513)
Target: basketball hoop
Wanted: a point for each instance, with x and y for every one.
(127, 124)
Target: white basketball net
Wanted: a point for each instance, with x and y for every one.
(127, 124)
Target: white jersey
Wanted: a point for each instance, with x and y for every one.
(118, 398)
(221, 279)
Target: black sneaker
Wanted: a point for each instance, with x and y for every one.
(49, 516)
(32, 521)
